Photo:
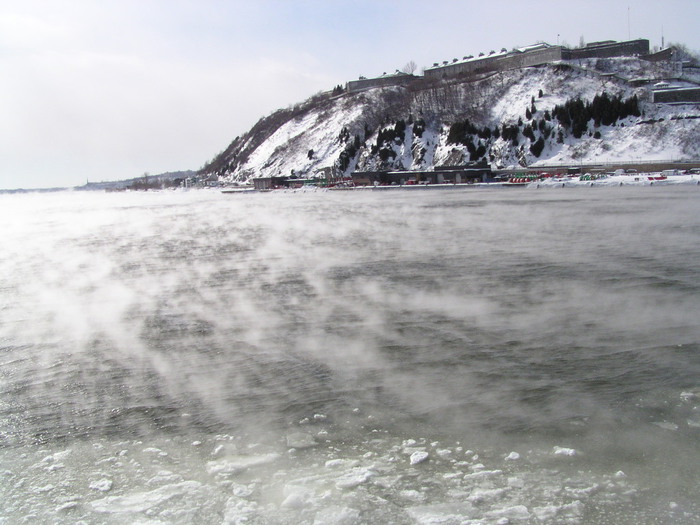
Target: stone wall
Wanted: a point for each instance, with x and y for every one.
(395, 79)
(535, 56)
(608, 50)
(677, 96)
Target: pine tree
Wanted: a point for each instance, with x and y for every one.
(537, 147)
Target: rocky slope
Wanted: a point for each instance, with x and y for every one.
(587, 111)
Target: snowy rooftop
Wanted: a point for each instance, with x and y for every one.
(493, 54)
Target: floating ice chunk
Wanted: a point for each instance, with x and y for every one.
(300, 440)
(237, 464)
(481, 495)
(57, 456)
(67, 506)
(563, 451)
(196, 443)
(354, 478)
(512, 456)
(335, 463)
(583, 492)
(412, 495)
(665, 425)
(687, 397)
(482, 474)
(442, 513)
(619, 474)
(296, 497)
(103, 485)
(152, 450)
(546, 513)
(337, 516)
(164, 477)
(238, 511)
(516, 512)
(143, 501)
(320, 417)
(419, 457)
(443, 452)
(387, 482)
(243, 491)
(516, 482)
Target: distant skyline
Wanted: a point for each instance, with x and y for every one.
(107, 90)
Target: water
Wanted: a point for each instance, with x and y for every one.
(476, 356)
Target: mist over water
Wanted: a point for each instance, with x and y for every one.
(466, 356)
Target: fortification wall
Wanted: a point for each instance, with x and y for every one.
(535, 57)
(465, 67)
(398, 79)
(677, 96)
(617, 49)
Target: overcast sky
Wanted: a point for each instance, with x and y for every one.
(105, 90)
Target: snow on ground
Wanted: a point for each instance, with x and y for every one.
(290, 145)
(556, 88)
(626, 179)
(663, 132)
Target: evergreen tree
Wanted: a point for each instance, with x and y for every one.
(537, 147)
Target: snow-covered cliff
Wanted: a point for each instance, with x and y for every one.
(510, 118)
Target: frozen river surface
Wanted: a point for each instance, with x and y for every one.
(463, 357)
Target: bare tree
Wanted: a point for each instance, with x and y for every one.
(410, 67)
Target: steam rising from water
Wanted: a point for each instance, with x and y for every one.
(499, 320)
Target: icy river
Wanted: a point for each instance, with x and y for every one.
(473, 356)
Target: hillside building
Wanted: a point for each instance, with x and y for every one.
(608, 49)
(398, 78)
(534, 55)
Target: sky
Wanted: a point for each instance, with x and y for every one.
(98, 90)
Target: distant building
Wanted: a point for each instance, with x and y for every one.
(472, 172)
(269, 183)
(398, 78)
(609, 49)
(534, 55)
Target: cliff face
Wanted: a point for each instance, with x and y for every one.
(590, 111)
